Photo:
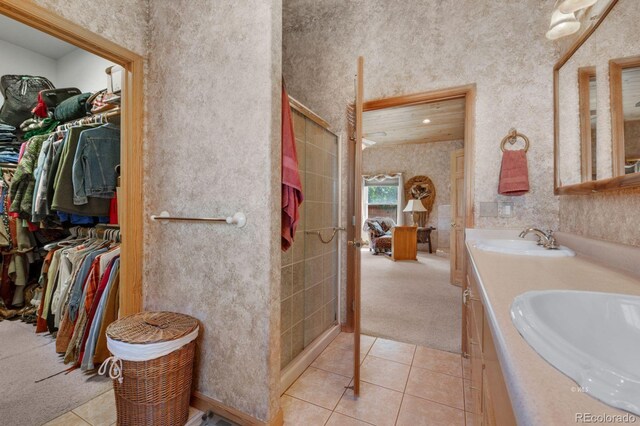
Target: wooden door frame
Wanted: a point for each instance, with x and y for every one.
(132, 125)
(467, 92)
(453, 237)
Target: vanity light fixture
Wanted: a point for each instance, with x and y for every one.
(426, 121)
(562, 25)
(368, 142)
(570, 6)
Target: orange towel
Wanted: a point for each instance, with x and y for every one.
(514, 173)
(291, 187)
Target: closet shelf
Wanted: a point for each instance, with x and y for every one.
(239, 219)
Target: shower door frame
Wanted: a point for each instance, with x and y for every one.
(303, 360)
(132, 125)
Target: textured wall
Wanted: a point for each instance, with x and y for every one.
(211, 148)
(122, 21)
(427, 159)
(214, 149)
(610, 216)
(415, 46)
(418, 46)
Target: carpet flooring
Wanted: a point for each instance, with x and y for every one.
(411, 301)
(29, 395)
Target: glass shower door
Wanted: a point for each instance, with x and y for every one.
(309, 287)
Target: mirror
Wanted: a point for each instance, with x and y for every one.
(624, 77)
(588, 99)
(597, 103)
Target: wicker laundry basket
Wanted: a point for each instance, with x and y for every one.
(152, 391)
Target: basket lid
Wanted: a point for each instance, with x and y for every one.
(151, 327)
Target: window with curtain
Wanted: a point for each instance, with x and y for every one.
(381, 196)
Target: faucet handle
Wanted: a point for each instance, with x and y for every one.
(552, 244)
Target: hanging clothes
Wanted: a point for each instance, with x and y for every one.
(64, 279)
(63, 184)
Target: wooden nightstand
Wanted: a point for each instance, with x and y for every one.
(404, 243)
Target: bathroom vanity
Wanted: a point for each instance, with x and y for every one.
(510, 382)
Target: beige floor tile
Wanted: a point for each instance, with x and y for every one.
(338, 419)
(393, 351)
(319, 387)
(470, 419)
(436, 387)
(100, 411)
(336, 360)
(67, 419)
(382, 372)
(375, 404)
(345, 341)
(297, 412)
(420, 412)
(439, 361)
(466, 368)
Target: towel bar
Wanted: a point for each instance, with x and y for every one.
(239, 219)
(512, 138)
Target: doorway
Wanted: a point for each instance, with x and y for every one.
(460, 216)
(408, 197)
(59, 53)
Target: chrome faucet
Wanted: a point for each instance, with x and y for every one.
(545, 239)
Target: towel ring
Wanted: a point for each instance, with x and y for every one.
(512, 138)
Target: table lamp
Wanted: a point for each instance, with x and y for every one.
(413, 207)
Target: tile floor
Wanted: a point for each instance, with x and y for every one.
(402, 384)
(101, 411)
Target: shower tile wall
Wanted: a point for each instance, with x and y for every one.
(310, 268)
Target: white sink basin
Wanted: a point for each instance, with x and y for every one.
(594, 338)
(522, 247)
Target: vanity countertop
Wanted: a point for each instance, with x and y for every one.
(540, 394)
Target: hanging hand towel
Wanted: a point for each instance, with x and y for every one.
(291, 187)
(514, 173)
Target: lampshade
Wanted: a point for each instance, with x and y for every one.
(562, 25)
(414, 206)
(570, 6)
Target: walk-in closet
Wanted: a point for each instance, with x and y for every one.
(60, 167)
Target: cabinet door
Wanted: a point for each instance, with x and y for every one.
(488, 408)
(494, 388)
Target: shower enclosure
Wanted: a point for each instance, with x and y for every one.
(309, 286)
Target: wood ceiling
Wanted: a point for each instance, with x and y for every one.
(404, 125)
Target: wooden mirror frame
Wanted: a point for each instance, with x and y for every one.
(616, 66)
(618, 181)
(585, 74)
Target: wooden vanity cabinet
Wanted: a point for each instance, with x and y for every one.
(490, 403)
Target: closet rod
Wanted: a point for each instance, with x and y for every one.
(239, 219)
(91, 119)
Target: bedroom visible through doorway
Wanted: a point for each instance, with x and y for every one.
(412, 192)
